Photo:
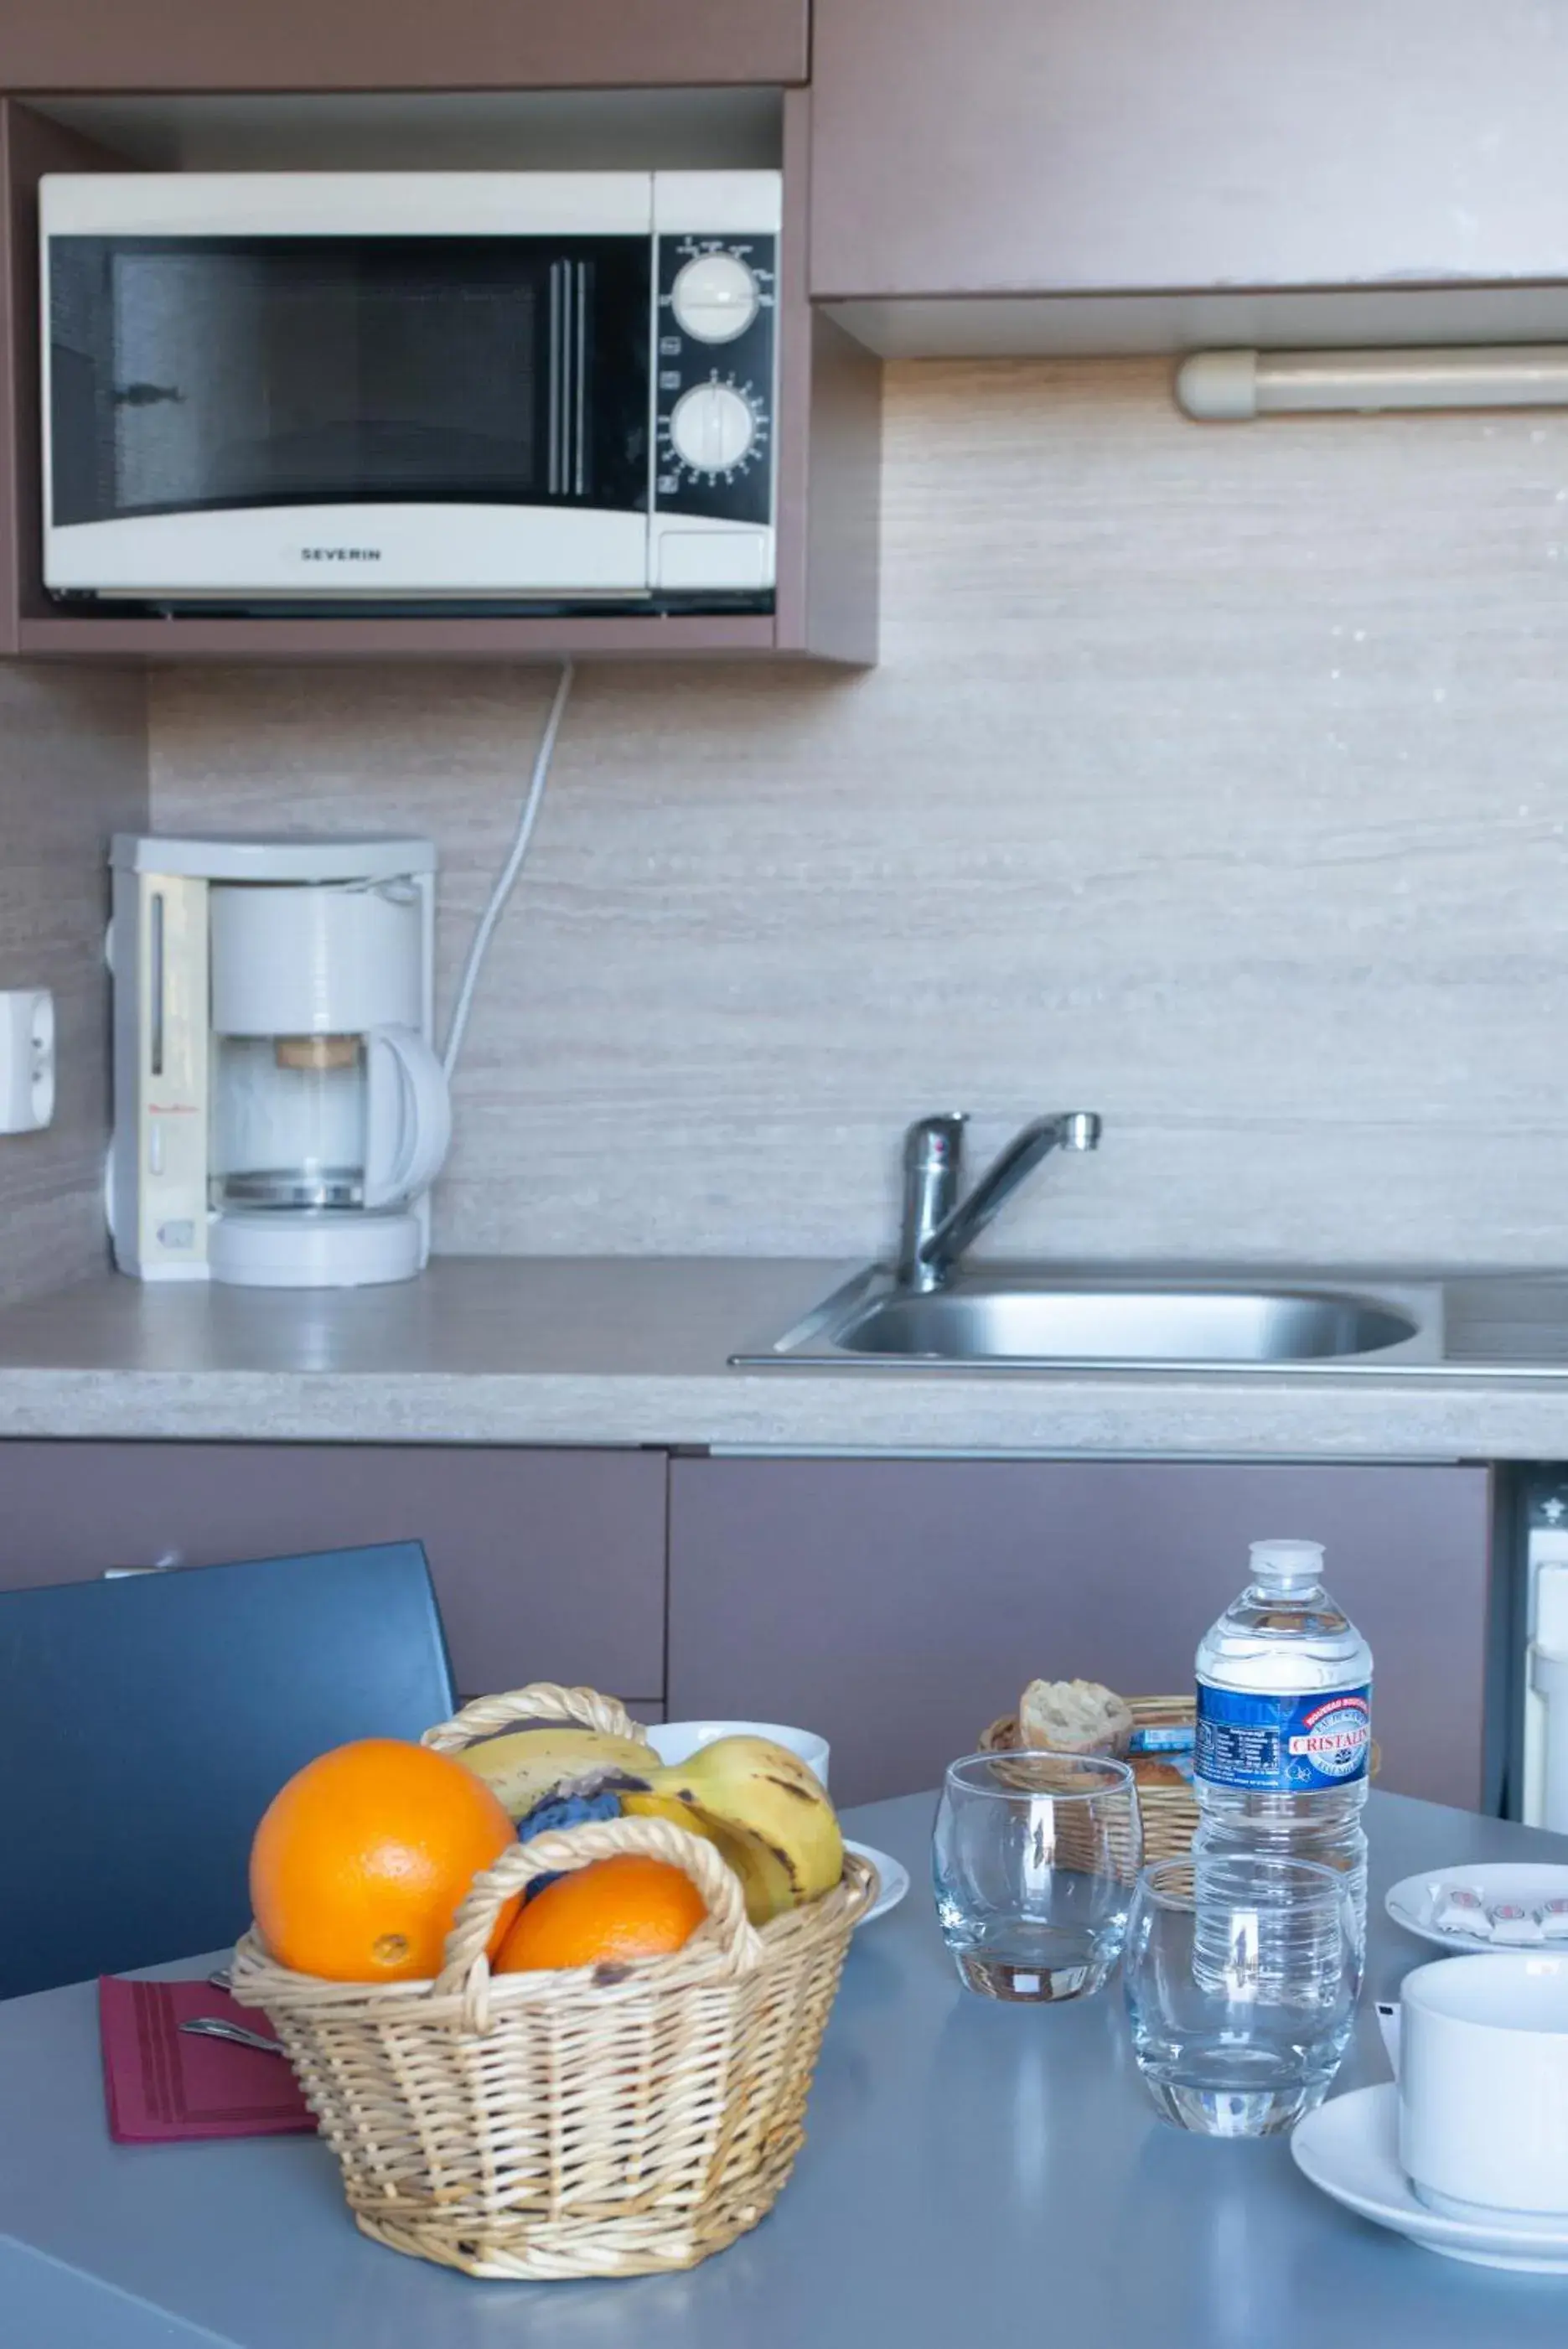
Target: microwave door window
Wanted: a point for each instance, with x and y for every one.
(193, 374)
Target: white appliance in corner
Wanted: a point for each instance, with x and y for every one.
(1545, 1791)
(279, 1110)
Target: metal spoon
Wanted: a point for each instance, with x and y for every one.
(212, 2026)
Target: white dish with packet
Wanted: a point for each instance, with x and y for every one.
(1417, 1902)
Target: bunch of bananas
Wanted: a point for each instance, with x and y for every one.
(766, 1812)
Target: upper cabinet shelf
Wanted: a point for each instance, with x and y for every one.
(107, 46)
(1166, 147)
(812, 414)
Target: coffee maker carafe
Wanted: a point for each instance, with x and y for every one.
(280, 1111)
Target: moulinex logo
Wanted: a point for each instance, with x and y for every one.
(340, 554)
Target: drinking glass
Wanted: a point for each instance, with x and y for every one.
(1241, 1976)
(1035, 1859)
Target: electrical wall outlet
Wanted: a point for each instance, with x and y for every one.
(26, 1058)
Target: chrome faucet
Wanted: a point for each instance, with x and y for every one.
(937, 1226)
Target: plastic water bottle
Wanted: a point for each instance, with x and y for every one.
(1284, 1722)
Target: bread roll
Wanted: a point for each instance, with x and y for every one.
(1073, 1717)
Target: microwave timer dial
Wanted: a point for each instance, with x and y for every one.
(715, 427)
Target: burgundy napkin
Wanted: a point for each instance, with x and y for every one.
(160, 2083)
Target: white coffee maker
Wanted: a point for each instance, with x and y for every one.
(280, 1111)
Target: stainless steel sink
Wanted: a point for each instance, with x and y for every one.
(1145, 1325)
(1017, 1319)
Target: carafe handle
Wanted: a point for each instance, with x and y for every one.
(419, 1126)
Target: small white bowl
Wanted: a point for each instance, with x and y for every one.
(677, 1741)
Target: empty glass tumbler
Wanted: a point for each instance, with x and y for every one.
(1035, 1859)
(1242, 1975)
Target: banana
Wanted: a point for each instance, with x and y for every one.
(766, 1812)
(523, 1766)
(768, 1877)
(765, 1879)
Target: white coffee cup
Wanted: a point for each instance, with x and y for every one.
(677, 1741)
(1483, 2082)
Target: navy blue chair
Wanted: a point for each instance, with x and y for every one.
(147, 1720)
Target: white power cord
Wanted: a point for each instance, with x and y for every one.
(507, 878)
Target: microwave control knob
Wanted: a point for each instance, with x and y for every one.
(713, 427)
(715, 298)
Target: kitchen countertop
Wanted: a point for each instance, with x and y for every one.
(972, 2171)
(631, 1350)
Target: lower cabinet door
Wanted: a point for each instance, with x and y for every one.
(548, 1565)
(898, 1606)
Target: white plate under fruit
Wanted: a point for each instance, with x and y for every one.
(894, 1876)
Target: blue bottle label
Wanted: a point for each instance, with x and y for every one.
(1283, 1744)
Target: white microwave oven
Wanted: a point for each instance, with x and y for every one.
(514, 390)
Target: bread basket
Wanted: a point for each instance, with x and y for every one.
(1169, 1812)
(1169, 1808)
(597, 2121)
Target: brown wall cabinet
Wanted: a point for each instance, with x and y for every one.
(898, 1606)
(547, 1565)
(1142, 146)
(353, 45)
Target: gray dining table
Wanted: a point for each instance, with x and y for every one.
(975, 2172)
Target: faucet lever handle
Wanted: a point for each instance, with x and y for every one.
(933, 1140)
(933, 1165)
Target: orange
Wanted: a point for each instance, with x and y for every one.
(360, 1862)
(609, 1912)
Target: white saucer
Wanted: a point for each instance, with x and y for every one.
(1349, 2147)
(894, 1878)
(1410, 1903)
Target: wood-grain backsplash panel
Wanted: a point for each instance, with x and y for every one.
(1215, 778)
(73, 769)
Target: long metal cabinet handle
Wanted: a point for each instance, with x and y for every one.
(557, 387)
(582, 374)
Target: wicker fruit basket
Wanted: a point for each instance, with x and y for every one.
(606, 2121)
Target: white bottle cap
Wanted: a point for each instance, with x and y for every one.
(1287, 1565)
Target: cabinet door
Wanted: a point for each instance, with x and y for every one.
(397, 45)
(1046, 146)
(547, 1565)
(899, 1606)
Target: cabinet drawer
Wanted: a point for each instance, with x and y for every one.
(547, 1565)
(899, 1606)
